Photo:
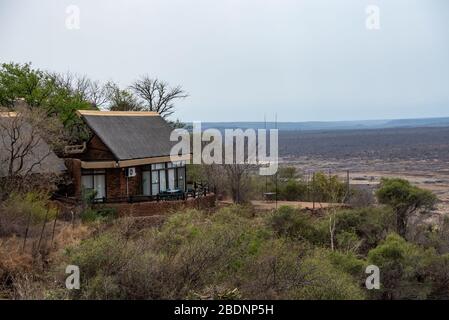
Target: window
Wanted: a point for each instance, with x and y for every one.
(162, 179)
(154, 182)
(94, 180)
(158, 166)
(181, 178)
(171, 179)
(146, 183)
(159, 177)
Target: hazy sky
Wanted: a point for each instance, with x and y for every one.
(304, 59)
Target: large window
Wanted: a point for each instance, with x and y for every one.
(159, 177)
(94, 180)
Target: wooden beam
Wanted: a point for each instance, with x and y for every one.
(98, 164)
(140, 162)
(129, 163)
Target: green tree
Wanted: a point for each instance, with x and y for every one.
(121, 100)
(405, 199)
(39, 89)
(22, 81)
(326, 188)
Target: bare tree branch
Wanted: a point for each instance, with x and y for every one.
(157, 95)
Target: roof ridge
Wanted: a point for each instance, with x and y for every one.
(118, 113)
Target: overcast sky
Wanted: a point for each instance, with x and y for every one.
(238, 60)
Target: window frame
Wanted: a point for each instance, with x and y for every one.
(92, 173)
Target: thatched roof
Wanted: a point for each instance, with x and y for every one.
(131, 135)
(40, 158)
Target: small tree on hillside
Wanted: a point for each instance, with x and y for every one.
(405, 199)
(237, 177)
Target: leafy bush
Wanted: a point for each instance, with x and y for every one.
(370, 225)
(327, 280)
(292, 190)
(404, 267)
(228, 254)
(293, 223)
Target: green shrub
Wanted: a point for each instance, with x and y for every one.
(98, 214)
(349, 263)
(293, 223)
(370, 225)
(19, 211)
(292, 190)
(404, 268)
(326, 280)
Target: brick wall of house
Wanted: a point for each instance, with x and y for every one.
(151, 208)
(74, 170)
(116, 183)
(113, 183)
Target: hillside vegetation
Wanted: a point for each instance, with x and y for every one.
(237, 253)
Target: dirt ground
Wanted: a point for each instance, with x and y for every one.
(429, 174)
(270, 205)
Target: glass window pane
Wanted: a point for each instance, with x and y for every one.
(146, 183)
(154, 183)
(100, 186)
(154, 177)
(162, 178)
(157, 166)
(181, 182)
(87, 182)
(171, 179)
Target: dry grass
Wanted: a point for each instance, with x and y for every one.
(21, 268)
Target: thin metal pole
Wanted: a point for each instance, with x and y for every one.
(313, 190)
(276, 126)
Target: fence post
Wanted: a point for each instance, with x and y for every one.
(54, 227)
(26, 231)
